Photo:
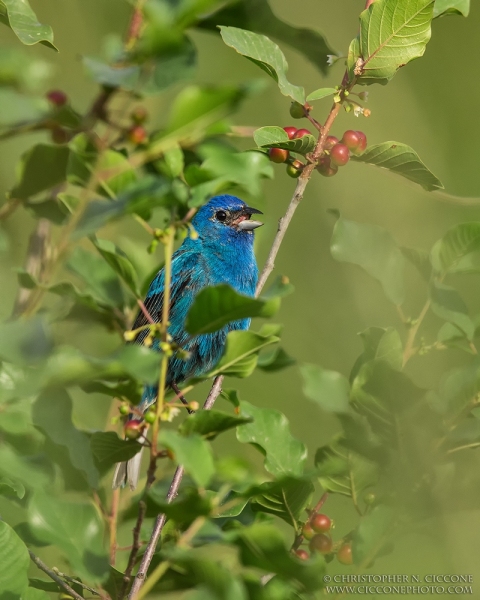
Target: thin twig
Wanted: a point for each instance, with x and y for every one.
(43, 567)
(79, 583)
(182, 398)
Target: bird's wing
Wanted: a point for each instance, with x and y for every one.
(188, 277)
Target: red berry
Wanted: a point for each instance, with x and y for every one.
(278, 155)
(344, 555)
(294, 169)
(339, 155)
(326, 168)
(133, 429)
(363, 141)
(321, 523)
(139, 115)
(302, 554)
(137, 135)
(57, 97)
(351, 139)
(296, 110)
(290, 131)
(300, 133)
(321, 543)
(307, 531)
(330, 142)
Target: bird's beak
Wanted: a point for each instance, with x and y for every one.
(244, 223)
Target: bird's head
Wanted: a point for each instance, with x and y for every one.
(225, 216)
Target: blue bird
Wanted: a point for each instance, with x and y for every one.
(221, 252)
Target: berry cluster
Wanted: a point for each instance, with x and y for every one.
(279, 155)
(316, 532)
(337, 152)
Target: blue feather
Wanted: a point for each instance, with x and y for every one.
(220, 252)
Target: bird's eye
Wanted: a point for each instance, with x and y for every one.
(221, 215)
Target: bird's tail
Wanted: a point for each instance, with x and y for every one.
(128, 472)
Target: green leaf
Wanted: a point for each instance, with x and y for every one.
(32, 593)
(25, 342)
(258, 16)
(382, 344)
(109, 449)
(329, 389)
(40, 168)
(193, 453)
(262, 546)
(269, 432)
(52, 413)
(209, 423)
(451, 7)
(285, 498)
(102, 281)
(76, 528)
(119, 262)
(7, 486)
(275, 359)
(15, 562)
(449, 305)
(215, 307)
(276, 137)
(372, 533)
(392, 33)
(112, 76)
(21, 469)
(344, 471)
(240, 356)
(196, 108)
(185, 509)
(321, 93)
(384, 396)
(242, 169)
(372, 248)
(173, 162)
(264, 53)
(24, 23)
(458, 251)
(420, 259)
(401, 159)
(140, 198)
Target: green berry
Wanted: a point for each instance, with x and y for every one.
(296, 110)
(124, 409)
(150, 416)
(294, 169)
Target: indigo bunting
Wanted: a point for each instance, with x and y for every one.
(220, 252)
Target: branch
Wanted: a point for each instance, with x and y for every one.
(43, 567)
